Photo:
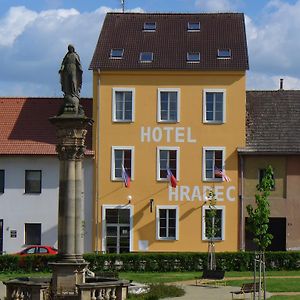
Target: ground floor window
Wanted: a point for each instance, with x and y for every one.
(167, 222)
(117, 230)
(216, 224)
(33, 233)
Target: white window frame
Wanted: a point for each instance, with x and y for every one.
(224, 57)
(189, 29)
(117, 206)
(116, 57)
(113, 148)
(224, 105)
(177, 175)
(219, 207)
(189, 60)
(177, 90)
(148, 29)
(114, 114)
(223, 149)
(146, 61)
(158, 207)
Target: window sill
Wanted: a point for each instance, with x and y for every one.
(167, 239)
(168, 121)
(123, 121)
(214, 122)
(213, 180)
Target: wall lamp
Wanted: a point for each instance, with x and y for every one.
(151, 204)
(129, 198)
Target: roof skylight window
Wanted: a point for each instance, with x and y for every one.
(193, 57)
(193, 26)
(146, 56)
(116, 53)
(149, 26)
(224, 53)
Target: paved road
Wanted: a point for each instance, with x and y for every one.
(196, 292)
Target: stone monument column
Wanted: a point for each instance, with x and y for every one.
(71, 127)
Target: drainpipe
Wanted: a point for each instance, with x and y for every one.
(241, 199)
(97, 171)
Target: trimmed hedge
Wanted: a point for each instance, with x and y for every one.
(156, 262)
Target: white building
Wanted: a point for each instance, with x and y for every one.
(29, 174)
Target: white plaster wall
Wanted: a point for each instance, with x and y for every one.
(18, 208)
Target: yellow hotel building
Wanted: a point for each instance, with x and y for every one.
(169, 95)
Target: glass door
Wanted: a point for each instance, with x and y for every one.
(117, 230)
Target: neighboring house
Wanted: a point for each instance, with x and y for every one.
(273, 138)
(29, 173)
(169, 94)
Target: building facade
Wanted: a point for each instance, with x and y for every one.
(272, 139)
(29, 174)
(169, 99)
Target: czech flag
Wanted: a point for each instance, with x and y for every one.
(125, 177)
(171, 178)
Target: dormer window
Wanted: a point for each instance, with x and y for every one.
(193, 57)
(146, 56)
(193, 26)
(149, 26)
(116, 53)
(224, 53)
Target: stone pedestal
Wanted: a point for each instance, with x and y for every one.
(65, 276)
(69, 269)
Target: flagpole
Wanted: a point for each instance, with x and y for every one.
(123, 5)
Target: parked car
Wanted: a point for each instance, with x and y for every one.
(38, 249)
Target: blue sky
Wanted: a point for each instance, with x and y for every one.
(34, 35)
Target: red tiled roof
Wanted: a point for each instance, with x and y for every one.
(25, 128)
(171, 41)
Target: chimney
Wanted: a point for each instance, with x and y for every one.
(281, 84)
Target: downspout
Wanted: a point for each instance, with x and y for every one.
(97, 162)
(241, 199)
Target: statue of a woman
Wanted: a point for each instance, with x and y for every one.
(71, 73)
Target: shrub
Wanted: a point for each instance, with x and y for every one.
(156, 262)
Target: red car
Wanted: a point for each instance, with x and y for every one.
(38, 249)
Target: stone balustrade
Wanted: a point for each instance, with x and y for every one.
(39, 289)
(27, 289)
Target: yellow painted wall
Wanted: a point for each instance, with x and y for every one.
(144, 186)
(251, 174)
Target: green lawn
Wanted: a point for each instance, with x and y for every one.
(7, 276)
(285, 298)
(274, 284)
(181, 276)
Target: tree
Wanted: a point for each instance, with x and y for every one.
(211, 228)
(258, 221)
(258, 224)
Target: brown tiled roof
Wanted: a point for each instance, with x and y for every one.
(25, 128)
(171, 41)
(273, 119)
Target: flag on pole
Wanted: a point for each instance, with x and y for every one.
(171, 178)
(125, 177)
(220, 173)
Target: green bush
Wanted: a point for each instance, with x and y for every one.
(159, 291)
(156, 262)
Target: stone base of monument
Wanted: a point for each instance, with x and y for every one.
(65, 277)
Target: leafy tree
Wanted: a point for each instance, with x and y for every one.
(211, 228)
(258, 221)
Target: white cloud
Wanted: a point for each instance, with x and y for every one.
(14, 24)
(274, 44)
(262, 81)
(33, 44)
(216, 5)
